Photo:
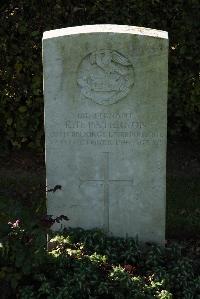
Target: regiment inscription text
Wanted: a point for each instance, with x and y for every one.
(106, 129)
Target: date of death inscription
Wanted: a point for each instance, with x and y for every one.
(105, 129)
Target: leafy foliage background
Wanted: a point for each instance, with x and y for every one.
(23, 23)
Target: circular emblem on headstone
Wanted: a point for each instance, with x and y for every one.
(105, 76)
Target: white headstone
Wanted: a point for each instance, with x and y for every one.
(105, 90)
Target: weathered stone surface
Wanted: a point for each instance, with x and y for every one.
(105, 89)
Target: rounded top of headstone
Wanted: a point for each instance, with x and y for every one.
(105, 28)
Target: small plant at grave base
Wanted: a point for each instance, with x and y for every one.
(93, 265)
(23, 250)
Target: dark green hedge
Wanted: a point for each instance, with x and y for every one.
(23, 22)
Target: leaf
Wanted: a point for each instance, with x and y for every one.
(9, 121)
(35, 33)
(18, 67)
(22, 29)
(24, 139)
(22, 109)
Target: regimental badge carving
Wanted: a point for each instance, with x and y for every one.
(105, 76)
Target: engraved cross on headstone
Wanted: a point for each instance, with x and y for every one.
(106, 180)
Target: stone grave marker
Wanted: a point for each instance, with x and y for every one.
(105, 91)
